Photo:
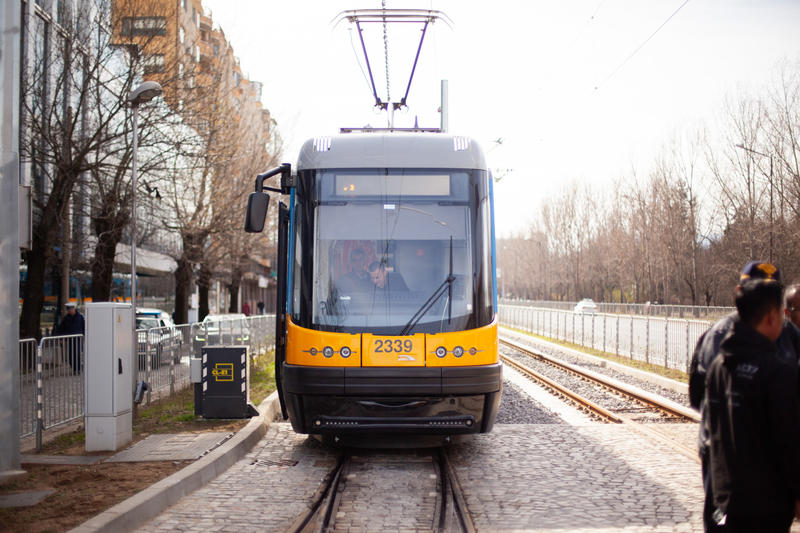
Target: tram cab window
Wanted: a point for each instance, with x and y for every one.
(417, 227)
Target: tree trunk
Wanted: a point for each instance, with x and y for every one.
(233, 290)
(66, 260)
(183, 286)
(203, 286)
(103, 262)
(38, 259)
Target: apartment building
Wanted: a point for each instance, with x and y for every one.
(74, 45)
(182, 48)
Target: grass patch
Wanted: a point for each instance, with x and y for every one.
(262, 377)
(69, 439)
(671, 373)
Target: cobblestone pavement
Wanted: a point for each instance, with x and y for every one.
(264, 491)
(599, 477)
(389, 491)
(527, 477)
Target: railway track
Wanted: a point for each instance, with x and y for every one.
(671, 411)
(421, 492)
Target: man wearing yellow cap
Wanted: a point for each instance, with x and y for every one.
(782, 350)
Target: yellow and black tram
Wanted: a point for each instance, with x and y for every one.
(387, 298)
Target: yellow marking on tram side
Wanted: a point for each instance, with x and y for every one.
(308, 347)
(475, 346)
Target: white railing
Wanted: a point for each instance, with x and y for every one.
(52, 386)
(51, 383)
(666, 342)
(651, 309)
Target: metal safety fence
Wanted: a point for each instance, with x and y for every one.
(650, 309)
(163, 353)
(51, 384)
(52, 377)
(662, 341)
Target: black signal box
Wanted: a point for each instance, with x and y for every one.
(223, 390)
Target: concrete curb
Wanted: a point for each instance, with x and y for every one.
(143, 506)
(655, 379)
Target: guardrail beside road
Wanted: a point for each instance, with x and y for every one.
(52, 383)
(667, 342)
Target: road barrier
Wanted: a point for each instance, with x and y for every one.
(651, 309)
(52, 383)
(667, 342)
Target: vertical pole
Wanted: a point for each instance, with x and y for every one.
(604, 332)
(688, 348)
(647, 340)
(10, 18)
(39, 422)
(771, 219)
(134, 358)
(631, 343)
(666, 342)
(445, 107)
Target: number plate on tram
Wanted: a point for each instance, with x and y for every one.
(380, 350)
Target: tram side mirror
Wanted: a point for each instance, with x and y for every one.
(256, 215)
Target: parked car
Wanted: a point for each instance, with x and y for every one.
(161, 334)
(227, 329)
(585, 306)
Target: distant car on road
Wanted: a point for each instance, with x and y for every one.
(228, 329)
(161, 334)
(586, 306)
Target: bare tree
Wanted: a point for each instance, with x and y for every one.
(73, 112)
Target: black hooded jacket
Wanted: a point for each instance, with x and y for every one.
(753, 408)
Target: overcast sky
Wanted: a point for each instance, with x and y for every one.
(559, 83)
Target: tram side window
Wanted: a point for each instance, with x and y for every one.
(296, 266)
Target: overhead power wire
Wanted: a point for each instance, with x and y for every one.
(358, 59)
(624, 62)
(386, 53)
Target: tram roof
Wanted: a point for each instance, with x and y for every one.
(390, 149)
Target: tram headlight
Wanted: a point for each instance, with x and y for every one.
(441, 351)
(458, 351)
(327, 351)
(345, 352)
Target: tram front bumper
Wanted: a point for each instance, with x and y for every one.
(445, 400)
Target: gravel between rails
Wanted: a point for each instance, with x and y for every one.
(517, 407)
(593, 392)
(526, 340)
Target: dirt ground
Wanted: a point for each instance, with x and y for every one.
(82, 492)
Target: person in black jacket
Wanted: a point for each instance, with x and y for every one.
(753, 417)
(706, 349)
(793, 303)
(73, 323)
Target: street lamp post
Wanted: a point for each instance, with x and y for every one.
(771, 218)
(143, 93)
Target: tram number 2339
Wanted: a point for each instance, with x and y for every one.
(392, 346)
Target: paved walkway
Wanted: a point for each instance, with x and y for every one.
(518, 478)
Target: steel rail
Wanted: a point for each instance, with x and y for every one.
(452, 488)
(646, 430)
(317, 516)
(644, 397)
(585, 403)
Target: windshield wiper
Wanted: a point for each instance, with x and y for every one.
(446, 286)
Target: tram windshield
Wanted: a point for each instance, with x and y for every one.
(393, 251)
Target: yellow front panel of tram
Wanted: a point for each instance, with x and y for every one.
(472, 347)
(309, 347)
(384, 350)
